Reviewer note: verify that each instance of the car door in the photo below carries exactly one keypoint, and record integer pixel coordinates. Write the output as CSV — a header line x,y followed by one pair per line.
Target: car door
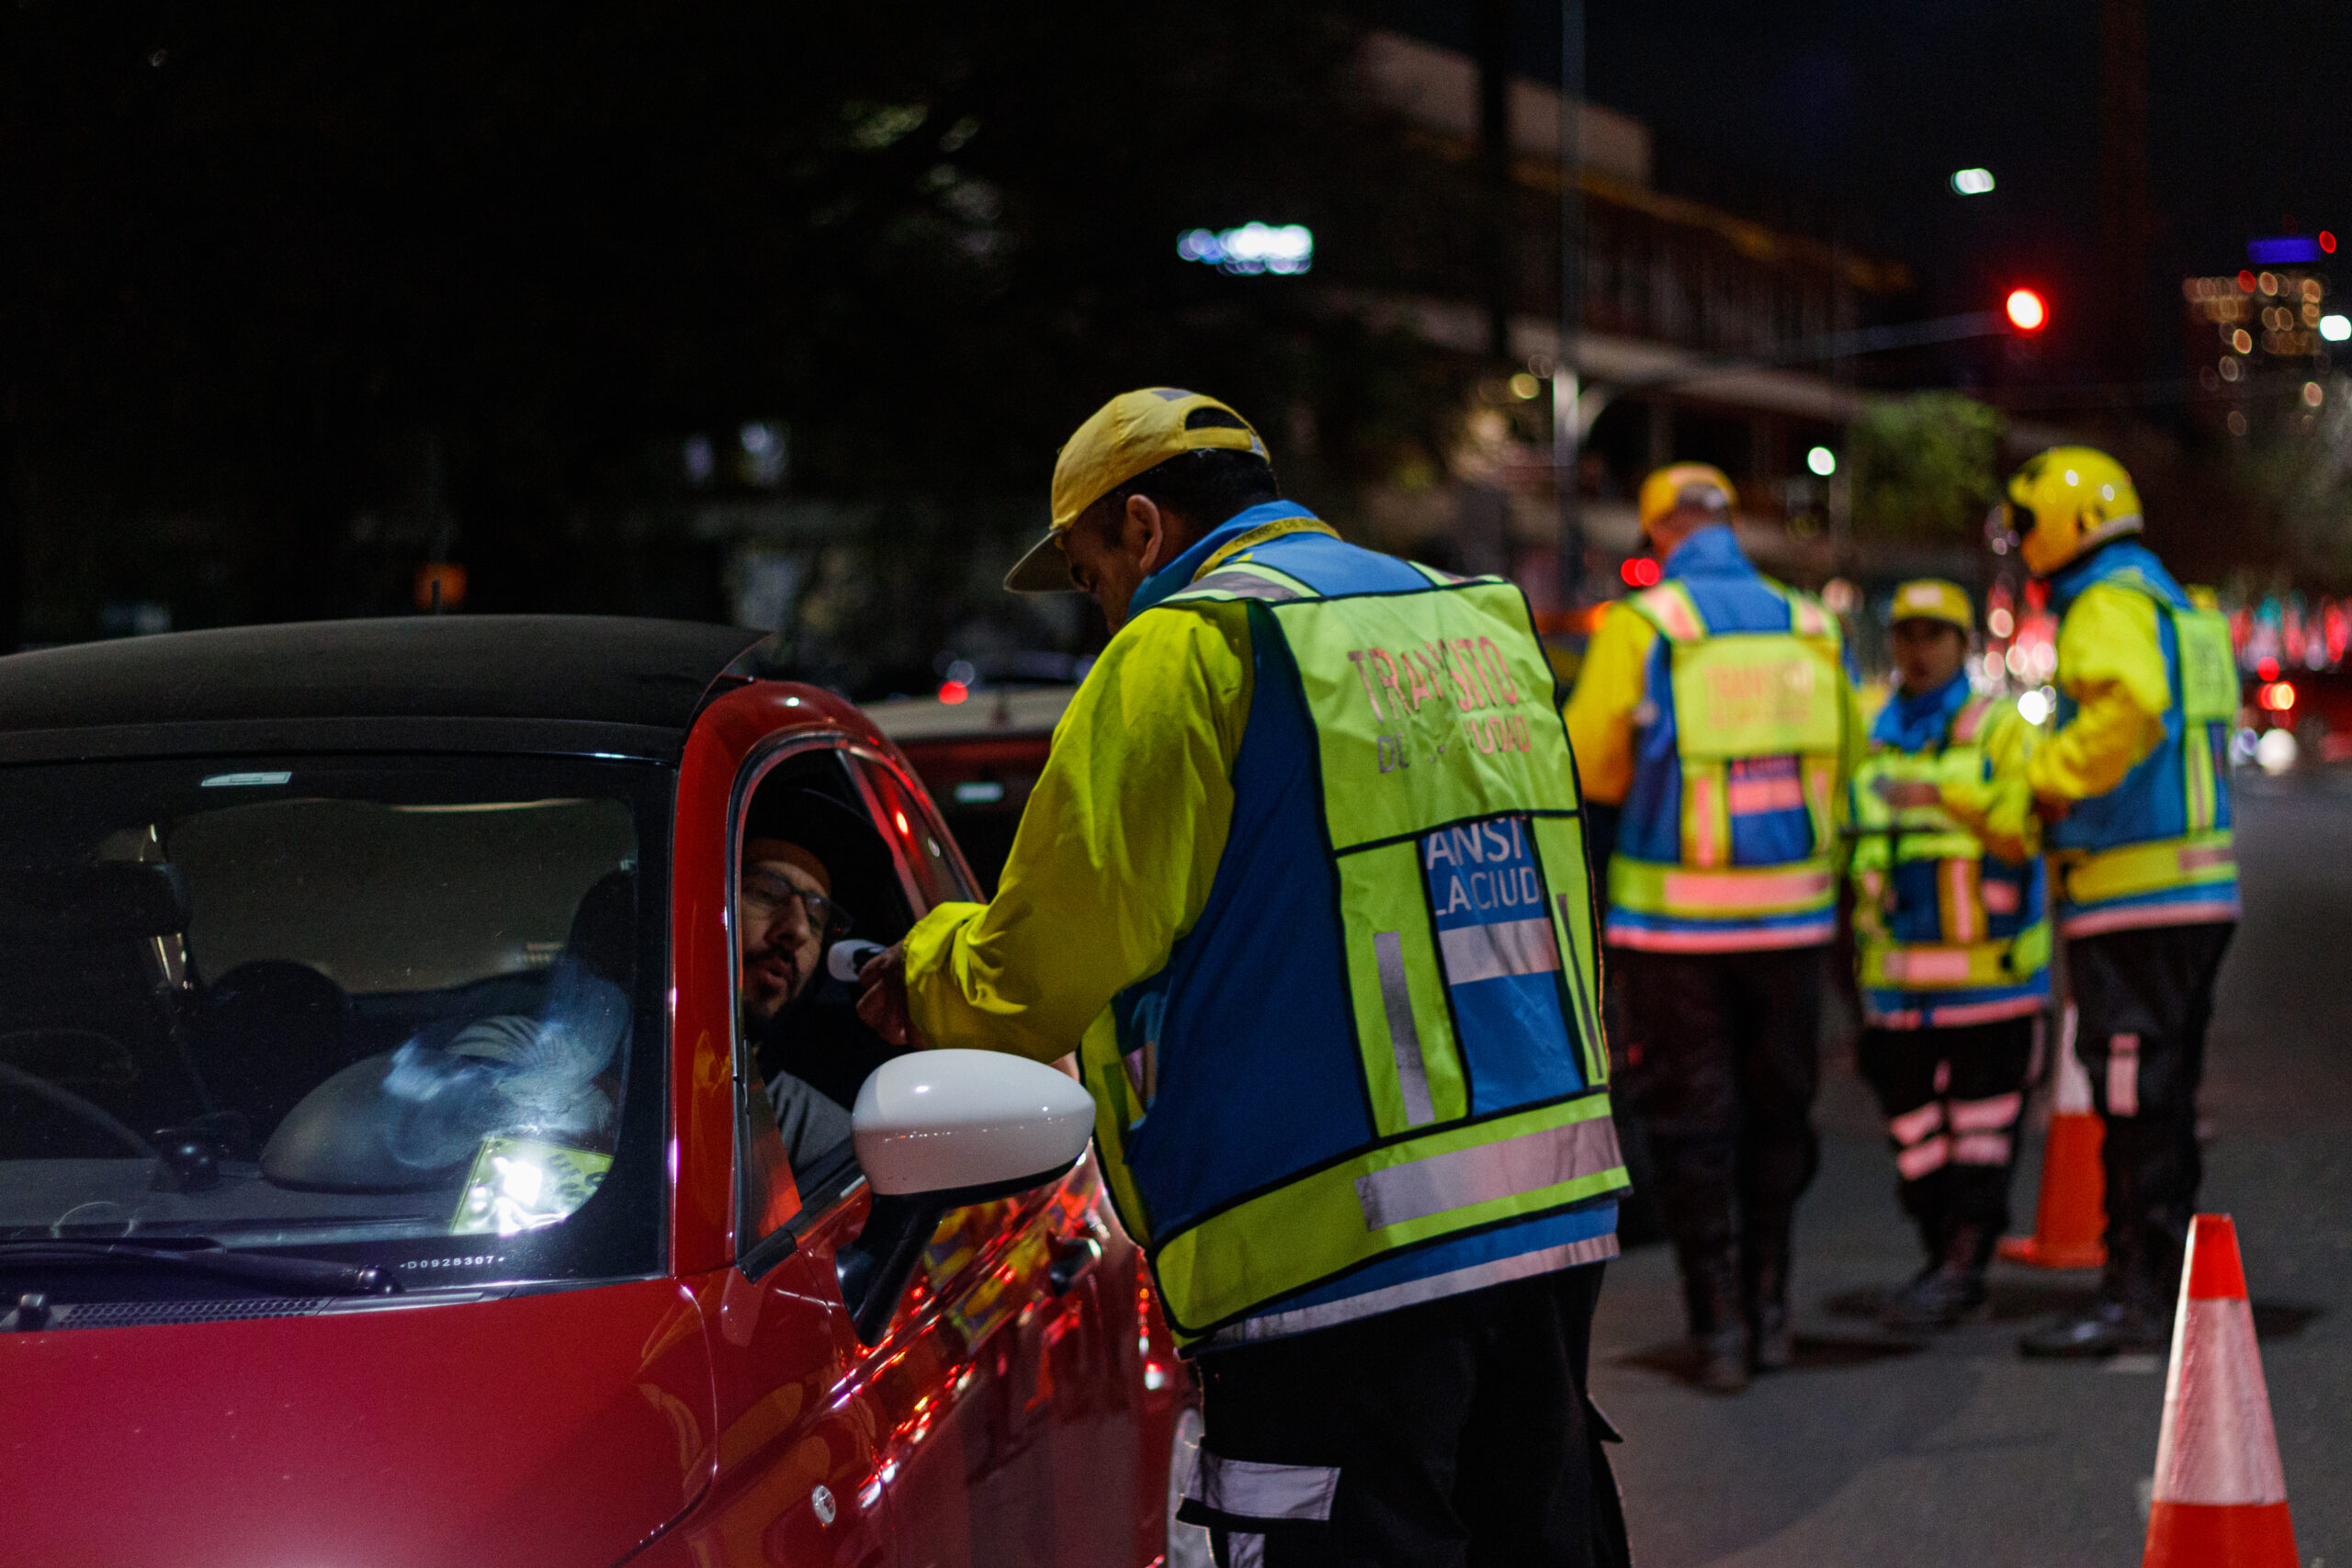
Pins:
x,y
798,1481
1020,1446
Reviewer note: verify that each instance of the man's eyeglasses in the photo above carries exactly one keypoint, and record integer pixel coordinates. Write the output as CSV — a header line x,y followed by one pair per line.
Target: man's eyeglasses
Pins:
x,y
764,895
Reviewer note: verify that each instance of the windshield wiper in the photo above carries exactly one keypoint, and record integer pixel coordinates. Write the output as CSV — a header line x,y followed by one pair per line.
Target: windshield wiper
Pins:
x,y
286,1276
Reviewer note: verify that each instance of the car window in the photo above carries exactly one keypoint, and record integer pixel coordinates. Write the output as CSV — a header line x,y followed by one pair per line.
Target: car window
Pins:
x,y
815,873
921,839
397,1009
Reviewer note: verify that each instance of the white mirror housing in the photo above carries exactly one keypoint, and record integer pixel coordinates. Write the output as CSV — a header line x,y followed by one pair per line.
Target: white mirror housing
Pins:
x,y
969,1123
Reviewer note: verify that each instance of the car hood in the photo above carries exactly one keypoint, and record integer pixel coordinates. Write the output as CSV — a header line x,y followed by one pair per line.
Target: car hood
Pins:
x,y
559,1429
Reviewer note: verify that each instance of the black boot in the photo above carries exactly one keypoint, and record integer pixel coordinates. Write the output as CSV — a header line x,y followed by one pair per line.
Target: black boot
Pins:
x,y
1949,1289
2104,1328
2127,1318
1711,1293
1764,1282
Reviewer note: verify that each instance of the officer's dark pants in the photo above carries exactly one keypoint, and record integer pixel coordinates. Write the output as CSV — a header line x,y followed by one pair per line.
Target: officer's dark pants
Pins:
x,y
1721,1067
1952,1099
1453,1434
2143,1000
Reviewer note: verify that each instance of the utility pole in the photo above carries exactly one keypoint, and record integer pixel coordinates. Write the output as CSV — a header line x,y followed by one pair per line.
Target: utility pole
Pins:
x,y
2124,186
1568,434
1494,169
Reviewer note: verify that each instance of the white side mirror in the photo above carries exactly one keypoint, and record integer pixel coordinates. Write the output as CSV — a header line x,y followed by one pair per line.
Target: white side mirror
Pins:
x,y
937,1129
968,1125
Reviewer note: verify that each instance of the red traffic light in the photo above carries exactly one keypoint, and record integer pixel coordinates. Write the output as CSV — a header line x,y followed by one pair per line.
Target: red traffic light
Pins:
x,y
2029,313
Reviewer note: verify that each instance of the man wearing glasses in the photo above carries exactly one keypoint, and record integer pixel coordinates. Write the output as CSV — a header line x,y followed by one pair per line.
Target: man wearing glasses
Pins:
x,y
786,914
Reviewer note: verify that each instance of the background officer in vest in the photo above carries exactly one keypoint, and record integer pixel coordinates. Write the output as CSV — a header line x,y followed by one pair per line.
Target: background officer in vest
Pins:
x,y
2134,784
1952,945
1304,882
1715,707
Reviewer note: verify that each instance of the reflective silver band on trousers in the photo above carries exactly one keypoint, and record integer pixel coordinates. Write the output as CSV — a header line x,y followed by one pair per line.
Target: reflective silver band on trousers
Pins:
x,y
1250,1489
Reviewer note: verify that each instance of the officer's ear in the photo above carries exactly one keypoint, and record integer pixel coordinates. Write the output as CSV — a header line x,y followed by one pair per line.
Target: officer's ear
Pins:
x,y
1145,532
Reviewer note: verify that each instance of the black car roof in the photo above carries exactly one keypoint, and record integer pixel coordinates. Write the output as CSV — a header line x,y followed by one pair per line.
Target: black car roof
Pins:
x,y
522,682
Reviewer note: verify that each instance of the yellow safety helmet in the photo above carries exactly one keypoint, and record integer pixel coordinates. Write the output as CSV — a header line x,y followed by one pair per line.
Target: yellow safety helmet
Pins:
x,y
1685,484
2066,501
1932,599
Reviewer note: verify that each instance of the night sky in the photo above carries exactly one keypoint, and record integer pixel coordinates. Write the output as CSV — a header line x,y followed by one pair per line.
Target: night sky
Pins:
x,y
1872,106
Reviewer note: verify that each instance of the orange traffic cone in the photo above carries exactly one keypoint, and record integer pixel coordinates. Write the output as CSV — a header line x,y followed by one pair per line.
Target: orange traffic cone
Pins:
x,y
2219,1497
2070,1224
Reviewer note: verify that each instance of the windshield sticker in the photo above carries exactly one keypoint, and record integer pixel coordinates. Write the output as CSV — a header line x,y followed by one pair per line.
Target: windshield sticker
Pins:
x,y
524,1184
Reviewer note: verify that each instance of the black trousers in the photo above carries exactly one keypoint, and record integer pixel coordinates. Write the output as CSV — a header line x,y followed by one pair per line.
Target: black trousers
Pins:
x,y
2143,1000
1721,1067
1453,1434
1952,1099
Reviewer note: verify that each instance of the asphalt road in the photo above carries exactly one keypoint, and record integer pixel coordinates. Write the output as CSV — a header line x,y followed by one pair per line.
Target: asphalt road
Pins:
x,y
1874,1451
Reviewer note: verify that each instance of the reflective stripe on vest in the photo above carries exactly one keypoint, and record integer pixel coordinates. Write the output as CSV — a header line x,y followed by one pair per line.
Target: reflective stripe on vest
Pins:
x,y
1887,836
2198,868
1758,721
1454,836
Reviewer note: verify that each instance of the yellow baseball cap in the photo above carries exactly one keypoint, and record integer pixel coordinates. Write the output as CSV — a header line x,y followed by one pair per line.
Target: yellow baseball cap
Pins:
x,y
1132,433
1685,484
1932,599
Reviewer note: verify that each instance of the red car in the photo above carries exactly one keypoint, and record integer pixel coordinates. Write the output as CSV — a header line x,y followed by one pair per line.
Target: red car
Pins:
x,y
388,1174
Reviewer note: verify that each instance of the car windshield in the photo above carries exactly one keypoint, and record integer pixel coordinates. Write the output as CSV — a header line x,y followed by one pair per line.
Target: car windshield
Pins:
x,y
397,1011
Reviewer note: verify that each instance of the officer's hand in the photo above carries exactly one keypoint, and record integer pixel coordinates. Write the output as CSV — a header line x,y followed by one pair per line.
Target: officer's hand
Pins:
x,y
2052,807
883,1007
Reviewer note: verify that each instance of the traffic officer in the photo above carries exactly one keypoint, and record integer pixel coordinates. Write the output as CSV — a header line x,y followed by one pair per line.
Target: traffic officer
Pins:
x,y
1952,945
1715,707
1304,882
2134,786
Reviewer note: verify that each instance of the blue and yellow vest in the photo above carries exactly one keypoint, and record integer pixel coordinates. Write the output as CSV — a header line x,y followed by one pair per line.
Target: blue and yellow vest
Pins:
x,y
2155,849
1728,839
1945,934
1371,1074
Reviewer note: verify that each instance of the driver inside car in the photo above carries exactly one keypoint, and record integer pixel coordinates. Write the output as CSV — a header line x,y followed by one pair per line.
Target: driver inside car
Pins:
x,y
785,916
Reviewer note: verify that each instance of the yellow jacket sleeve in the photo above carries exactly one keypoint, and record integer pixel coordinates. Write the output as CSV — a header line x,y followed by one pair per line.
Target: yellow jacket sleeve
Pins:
x,y
1999,808
2110,662
1600,709
1116,852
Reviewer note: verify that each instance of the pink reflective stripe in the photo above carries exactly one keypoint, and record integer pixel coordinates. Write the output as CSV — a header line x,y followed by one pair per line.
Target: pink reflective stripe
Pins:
x,y
1752,797
1734,939
1920,1158
2123,1075
2001,897
1972,718
1963,901
1704,847
1927,966
1746,891
1992,1115
1983,1012
1913,1125
2203,855
2138,917
1981,1148
1674,614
